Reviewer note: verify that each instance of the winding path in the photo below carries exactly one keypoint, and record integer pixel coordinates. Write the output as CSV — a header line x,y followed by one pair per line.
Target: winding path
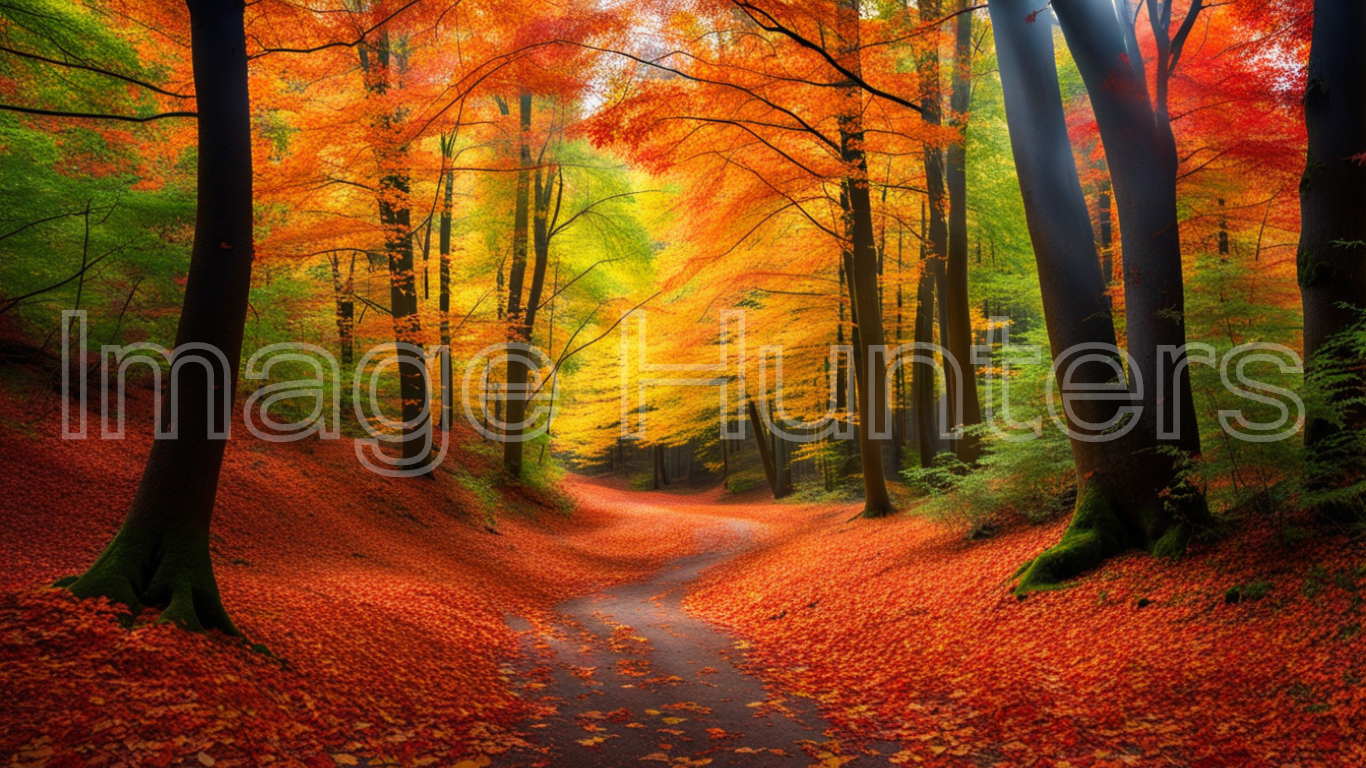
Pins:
x,y
628,678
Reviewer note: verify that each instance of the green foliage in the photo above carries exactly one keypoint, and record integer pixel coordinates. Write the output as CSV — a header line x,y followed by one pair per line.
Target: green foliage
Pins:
x,y
1334,475
745,480
1002,273
841,490
483,491
87,223
1224,312
1016,477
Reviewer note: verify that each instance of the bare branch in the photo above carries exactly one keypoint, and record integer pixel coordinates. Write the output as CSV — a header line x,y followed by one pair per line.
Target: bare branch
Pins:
x,y
96,70
94,115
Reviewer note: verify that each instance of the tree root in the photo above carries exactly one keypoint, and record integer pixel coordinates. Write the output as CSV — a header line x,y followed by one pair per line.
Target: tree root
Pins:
x,y
147,567
1095,533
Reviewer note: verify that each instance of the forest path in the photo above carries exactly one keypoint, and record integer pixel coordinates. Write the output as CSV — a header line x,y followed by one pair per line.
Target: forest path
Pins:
x,y
629,678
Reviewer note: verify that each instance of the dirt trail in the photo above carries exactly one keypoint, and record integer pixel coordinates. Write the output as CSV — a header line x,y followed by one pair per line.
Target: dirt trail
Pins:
x,y
629,678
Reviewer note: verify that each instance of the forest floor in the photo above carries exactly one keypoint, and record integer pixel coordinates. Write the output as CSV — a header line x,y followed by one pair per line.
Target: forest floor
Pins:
x,y
448,622
626,676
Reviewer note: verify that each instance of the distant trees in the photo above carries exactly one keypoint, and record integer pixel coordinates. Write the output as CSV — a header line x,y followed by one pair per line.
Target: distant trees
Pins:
x,y
383,65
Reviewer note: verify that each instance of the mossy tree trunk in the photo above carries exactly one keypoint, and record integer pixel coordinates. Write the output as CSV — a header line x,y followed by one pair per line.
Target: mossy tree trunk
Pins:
x,y
160,557
1332,247
1124,485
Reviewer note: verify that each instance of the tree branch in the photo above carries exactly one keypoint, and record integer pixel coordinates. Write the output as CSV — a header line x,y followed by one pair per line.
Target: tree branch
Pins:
x,y
94,115
96,70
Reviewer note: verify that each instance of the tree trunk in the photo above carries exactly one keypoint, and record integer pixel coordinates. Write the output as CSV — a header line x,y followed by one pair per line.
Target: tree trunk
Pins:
x,y
968,447
782,460
761,439
1140,152
1332,248
661,468
516,368
444,279
396,220
395,216
872,390
343,289
161,554
1120,482
933,280
922,374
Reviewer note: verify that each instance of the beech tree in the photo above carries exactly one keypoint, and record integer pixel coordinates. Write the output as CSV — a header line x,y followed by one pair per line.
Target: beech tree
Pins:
x,y
383,65
1124,484
968,447
1331,256
863,272
1140,151
160,557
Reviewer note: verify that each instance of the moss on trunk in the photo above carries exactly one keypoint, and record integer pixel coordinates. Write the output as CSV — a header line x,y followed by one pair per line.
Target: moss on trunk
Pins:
x,y
1099,531
144,566
1095,533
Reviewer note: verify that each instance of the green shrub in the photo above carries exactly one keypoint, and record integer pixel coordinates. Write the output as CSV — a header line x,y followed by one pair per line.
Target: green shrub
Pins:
x,y
1032,480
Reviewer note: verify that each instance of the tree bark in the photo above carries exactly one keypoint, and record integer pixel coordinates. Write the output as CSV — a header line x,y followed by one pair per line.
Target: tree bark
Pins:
x,y
922,373
444,277
661,468
936,239
1120,482
782,459
516,369
395,218
1140,152
160,557
1332,248
872,391
761,439
968,447
343,288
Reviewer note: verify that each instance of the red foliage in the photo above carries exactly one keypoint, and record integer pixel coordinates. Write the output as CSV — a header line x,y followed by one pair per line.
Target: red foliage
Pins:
x,y
383,599
903,631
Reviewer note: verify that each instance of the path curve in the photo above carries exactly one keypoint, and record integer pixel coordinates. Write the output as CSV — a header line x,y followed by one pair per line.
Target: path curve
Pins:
x,y
628,678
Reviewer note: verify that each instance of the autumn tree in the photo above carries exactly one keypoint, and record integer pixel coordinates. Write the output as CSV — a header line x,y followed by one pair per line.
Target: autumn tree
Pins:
x,y
956,263
739,116
160,557
384,64
862,269
1332,273
1129,491
1140,151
